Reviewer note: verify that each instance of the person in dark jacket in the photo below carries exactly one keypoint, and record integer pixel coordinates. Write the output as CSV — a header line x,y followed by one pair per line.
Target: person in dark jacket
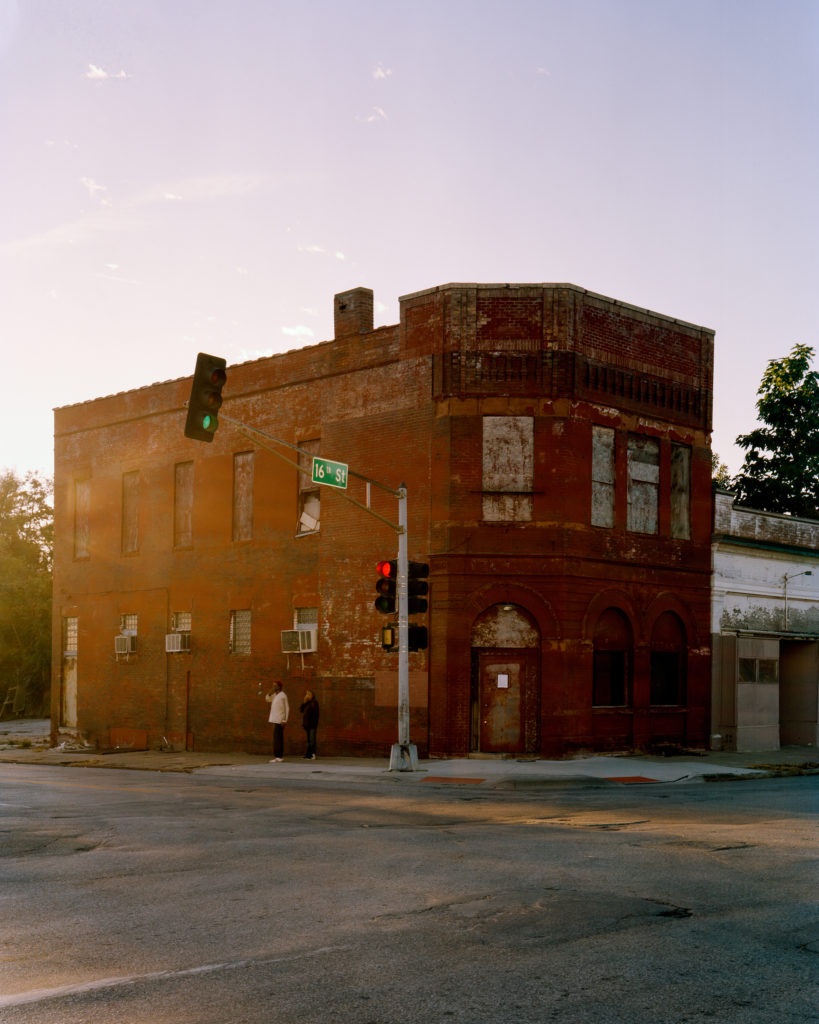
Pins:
x,y
309,719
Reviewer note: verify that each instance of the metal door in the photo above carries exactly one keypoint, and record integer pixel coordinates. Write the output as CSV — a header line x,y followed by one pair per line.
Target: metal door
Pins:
x,y
505,700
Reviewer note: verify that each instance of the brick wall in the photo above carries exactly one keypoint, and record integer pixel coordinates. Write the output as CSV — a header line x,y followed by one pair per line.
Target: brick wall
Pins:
x,y
390,403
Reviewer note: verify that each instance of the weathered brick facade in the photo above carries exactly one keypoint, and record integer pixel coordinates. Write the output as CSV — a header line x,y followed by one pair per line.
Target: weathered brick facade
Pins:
x,y
569,605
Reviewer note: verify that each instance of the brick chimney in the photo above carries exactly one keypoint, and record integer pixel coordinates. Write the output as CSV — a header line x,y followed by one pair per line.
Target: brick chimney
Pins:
x,y
353,312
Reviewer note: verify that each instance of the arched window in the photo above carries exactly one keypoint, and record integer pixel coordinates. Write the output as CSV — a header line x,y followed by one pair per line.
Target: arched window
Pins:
x,y
612,660
668,647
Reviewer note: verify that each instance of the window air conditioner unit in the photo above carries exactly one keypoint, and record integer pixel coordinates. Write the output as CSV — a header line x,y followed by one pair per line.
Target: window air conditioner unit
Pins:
x,y
177,642
308,639
124,644
299,641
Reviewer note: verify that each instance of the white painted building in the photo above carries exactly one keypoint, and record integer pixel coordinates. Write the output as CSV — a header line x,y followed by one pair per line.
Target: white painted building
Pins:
x,y
765,629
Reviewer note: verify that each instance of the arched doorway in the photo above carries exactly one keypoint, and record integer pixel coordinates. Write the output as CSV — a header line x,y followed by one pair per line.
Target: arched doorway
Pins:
x,y
668,649
505,702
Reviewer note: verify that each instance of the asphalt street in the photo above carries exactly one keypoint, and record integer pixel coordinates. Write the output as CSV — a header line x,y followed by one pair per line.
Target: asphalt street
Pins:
x,y
215,896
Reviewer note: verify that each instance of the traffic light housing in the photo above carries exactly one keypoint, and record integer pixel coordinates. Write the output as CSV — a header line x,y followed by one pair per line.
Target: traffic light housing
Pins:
x,y
206,396
386,602
417,637
417,587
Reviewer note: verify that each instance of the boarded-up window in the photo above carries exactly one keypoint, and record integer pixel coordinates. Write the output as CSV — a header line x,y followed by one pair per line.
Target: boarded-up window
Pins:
x,y
681,491
240,631
643,483
508,468
130,512
602,499
243,496
183,505
82,518
309,494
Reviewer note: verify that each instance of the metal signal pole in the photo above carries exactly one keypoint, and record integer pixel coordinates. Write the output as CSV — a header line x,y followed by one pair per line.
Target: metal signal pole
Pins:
x,y
404,755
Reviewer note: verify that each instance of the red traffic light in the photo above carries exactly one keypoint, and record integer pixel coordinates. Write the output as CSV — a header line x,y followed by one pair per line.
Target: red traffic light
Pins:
x,y
388,570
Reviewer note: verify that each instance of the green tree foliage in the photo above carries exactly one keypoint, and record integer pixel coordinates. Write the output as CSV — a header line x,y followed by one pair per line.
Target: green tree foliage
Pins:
x,y
720,474
26,551
781,468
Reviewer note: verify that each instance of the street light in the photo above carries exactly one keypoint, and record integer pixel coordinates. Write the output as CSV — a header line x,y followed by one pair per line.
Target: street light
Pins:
x,y
792,576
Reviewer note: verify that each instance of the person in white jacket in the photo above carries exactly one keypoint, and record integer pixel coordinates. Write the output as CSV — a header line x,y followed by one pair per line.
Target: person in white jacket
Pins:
x,y
279,713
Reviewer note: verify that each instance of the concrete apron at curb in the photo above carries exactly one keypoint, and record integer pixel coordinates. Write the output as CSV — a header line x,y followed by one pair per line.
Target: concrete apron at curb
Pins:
x,y
26,742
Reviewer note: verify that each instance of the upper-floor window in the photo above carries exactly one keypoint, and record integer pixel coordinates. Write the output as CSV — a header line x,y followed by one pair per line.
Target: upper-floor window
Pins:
x,y
602,506
183,505
309,493
508,468
243,495
130,512
681,491
82,518
643,483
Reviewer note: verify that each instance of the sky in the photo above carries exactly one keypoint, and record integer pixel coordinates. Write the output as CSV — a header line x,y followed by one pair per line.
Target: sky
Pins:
x,y
180,176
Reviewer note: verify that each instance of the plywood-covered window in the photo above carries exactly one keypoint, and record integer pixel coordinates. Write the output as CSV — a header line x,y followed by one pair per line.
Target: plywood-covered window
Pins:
x,y
602,497
508,468
681,491
309,493
243,496
82,518
130,512
183,505
643,483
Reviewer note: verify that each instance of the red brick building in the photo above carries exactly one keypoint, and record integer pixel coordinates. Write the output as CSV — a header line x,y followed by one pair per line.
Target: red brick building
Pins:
x,y
555,445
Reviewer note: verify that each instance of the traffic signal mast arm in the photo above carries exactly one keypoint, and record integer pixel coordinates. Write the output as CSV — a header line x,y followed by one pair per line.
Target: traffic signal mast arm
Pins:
x,y
250,433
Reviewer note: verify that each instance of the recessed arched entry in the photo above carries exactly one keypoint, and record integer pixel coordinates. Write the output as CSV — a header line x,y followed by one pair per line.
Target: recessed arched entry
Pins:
x,y
505,701
613,659
669,647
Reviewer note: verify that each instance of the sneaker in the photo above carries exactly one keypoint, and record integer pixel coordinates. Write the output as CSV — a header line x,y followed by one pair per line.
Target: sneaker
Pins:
x,y
312,757
276,760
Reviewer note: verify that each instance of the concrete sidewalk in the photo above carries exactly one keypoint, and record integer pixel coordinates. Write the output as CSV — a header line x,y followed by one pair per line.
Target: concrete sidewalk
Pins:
x,y
26,741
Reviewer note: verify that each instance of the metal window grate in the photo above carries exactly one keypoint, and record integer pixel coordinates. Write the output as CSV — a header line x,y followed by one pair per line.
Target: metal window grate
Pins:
x,y
181,622
240,631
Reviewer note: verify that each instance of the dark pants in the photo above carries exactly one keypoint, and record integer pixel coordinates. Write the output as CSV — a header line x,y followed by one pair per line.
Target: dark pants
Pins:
x,y
278,740
311,742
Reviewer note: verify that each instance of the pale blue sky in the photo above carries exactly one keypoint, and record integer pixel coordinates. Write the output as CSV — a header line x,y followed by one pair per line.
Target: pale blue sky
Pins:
x,y
186,175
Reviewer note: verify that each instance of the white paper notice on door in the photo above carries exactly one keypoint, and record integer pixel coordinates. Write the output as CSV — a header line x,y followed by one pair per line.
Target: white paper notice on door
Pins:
x,y
503,682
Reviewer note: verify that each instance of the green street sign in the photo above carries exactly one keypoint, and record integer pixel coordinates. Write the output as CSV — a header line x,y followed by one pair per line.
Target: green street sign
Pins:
x,y
334,474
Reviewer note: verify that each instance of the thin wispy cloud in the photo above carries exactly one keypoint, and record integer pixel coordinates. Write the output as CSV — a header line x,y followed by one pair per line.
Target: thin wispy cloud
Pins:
x,y
96,191
299,331
377,114
315,249
381,72
543,71
98,74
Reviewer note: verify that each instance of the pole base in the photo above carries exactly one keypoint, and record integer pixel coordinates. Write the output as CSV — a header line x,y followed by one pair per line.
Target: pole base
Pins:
x,y
404,758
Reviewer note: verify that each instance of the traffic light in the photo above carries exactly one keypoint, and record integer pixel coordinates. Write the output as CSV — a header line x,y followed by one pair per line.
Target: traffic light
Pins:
x,y
417,637
387,601
417,588
206,396
388,574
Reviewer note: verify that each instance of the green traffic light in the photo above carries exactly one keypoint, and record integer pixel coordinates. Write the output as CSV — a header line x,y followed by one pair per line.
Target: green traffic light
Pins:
x,y
207,421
